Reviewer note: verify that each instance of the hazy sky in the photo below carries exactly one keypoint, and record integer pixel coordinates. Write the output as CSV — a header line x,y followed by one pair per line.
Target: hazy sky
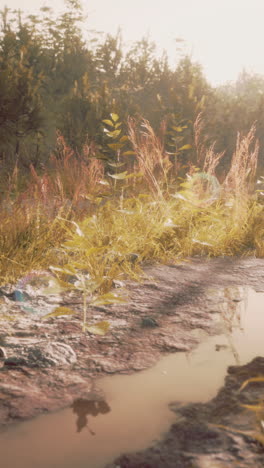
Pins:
x,y
225,36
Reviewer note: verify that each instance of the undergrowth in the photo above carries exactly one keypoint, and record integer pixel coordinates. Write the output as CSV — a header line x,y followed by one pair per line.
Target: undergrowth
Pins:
x,y
99,216
131,207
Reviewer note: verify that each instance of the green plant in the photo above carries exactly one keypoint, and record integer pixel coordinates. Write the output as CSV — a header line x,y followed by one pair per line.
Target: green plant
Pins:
x,y
90,287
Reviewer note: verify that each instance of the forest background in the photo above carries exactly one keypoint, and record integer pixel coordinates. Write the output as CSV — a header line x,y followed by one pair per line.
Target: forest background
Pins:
x,y
52,79
111,158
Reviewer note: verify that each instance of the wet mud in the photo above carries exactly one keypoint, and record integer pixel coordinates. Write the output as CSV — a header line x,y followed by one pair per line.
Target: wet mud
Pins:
x,y
208,435
46,365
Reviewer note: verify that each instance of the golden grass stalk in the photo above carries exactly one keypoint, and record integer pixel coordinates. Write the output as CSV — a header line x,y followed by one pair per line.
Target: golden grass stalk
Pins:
x,y
240,177
207,158
152,159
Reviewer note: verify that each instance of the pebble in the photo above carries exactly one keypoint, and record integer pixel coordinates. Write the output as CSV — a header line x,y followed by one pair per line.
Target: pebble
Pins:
x,y
149,322
3,354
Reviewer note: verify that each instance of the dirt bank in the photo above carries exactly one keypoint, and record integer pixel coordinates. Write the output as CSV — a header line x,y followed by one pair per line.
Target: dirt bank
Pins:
x,y
45,365
195,441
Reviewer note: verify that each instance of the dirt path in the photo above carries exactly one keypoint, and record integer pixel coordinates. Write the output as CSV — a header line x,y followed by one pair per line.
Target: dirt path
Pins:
x,y
45,365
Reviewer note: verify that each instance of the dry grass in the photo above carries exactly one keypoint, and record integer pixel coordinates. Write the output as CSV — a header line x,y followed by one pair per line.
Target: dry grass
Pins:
x,y
152,159
67,177
28,240
240,178
149,222
206,157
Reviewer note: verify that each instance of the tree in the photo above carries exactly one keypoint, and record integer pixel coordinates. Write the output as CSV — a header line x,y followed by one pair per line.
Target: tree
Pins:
x,y
20,98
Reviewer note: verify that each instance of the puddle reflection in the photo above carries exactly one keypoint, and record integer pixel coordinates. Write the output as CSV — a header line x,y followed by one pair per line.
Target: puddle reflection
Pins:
x,y
231,304
83,408
134,410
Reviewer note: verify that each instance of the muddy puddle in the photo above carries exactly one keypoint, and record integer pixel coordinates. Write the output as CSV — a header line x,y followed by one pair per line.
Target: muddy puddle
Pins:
x,y
134,409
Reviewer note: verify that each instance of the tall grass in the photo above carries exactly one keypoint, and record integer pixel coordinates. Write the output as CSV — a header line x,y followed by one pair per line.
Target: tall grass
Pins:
x,y
147,215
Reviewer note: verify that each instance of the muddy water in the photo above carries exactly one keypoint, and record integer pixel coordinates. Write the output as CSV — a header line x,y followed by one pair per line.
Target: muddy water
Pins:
x,y
135,410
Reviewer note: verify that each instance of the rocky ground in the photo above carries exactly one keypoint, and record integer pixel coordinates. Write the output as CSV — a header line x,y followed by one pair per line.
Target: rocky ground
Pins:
x,y
47,364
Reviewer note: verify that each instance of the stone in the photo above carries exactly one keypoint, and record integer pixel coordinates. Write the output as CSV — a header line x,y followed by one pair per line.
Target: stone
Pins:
x,y
14,361
46,354
3,354
51,354
149,322
170,344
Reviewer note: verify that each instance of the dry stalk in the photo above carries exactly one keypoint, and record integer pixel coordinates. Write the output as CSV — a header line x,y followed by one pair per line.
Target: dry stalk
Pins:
x,y
211,160
243,164
152,159
199,139
78,175
69,177
206,158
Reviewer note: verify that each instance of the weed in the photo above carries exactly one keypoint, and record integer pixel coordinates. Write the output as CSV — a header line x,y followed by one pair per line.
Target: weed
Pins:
x,y
145,212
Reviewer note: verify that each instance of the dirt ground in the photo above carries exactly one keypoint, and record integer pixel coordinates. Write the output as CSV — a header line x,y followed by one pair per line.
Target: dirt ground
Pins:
x,y
195,441
47,364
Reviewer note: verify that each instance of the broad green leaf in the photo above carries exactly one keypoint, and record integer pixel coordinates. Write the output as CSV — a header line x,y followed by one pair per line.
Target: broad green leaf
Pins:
x,y
108,122
114,117
123,138
185,147
100,156
114,134
115,146
60,311
100,328
116,164
120,176
108,298
129,153
178,129
134,174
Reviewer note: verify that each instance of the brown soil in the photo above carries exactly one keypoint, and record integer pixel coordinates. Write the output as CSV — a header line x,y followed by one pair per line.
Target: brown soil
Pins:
x,y
47,364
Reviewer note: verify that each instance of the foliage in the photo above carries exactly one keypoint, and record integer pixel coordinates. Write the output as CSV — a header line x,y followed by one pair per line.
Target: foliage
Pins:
x,y
52,79
146,210
78,157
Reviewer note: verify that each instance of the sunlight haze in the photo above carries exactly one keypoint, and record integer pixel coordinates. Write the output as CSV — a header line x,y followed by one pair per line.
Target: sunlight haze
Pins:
x,y
223,36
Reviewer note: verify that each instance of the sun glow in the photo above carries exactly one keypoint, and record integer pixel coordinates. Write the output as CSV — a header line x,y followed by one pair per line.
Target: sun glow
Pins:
x,y
223,36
